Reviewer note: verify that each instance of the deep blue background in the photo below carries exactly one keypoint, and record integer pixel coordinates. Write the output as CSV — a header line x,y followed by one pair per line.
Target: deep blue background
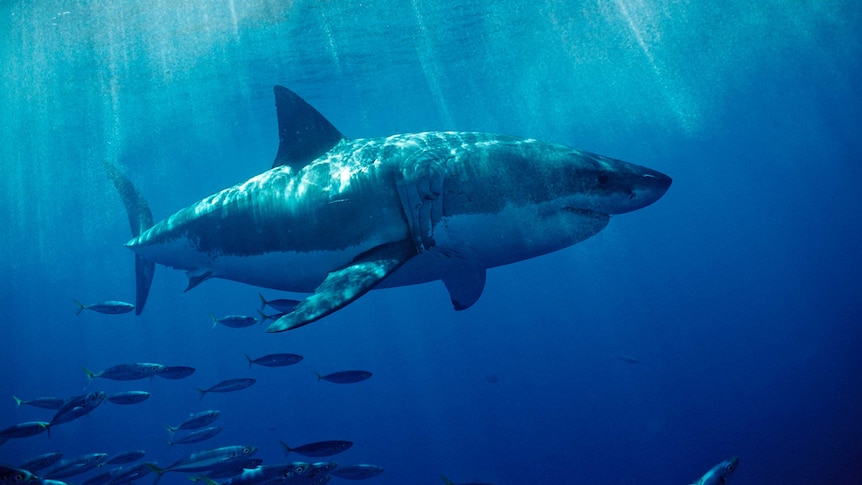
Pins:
x,y
738,291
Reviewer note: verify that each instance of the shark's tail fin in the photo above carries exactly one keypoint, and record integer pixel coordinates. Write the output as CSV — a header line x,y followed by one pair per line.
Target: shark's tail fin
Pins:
x,y
140,219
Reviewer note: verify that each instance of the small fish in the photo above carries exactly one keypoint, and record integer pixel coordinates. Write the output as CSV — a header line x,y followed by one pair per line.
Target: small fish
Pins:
x,y
197,436
357,472
40,462
345,376
630,359
226,456
281,305
24,430
233,469
129,397
78,406
41,402
77,465
106,307
127,372
129,474
195,421
719,474
229,385
319,448
234,321
176,372
15,475
126,457
258,474
274,360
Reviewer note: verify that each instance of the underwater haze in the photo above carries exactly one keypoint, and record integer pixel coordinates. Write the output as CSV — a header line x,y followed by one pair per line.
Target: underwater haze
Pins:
x,y
723,320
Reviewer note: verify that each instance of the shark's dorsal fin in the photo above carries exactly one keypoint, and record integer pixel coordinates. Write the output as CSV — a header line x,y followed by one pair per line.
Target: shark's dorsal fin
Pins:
x,y
303,133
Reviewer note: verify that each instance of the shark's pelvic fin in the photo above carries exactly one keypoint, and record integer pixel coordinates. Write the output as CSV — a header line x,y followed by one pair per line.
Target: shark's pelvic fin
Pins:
x,y
303,133
465,287
140,219
197,277
345,285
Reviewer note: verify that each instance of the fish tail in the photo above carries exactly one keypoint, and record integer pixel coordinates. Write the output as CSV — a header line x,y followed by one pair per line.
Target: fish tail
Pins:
x,y
81,307
171,429
287,449
446,480
215,321
140,219
18,402
158,471
90,375
319,377
203,393
263,316
247,358
263,302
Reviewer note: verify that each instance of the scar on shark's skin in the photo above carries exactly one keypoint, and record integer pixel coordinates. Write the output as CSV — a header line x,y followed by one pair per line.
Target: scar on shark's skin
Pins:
x,y
337,217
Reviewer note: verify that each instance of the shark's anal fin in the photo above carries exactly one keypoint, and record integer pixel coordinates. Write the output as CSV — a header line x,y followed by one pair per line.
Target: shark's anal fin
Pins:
x,y
465,286
303,133
140,219
345,285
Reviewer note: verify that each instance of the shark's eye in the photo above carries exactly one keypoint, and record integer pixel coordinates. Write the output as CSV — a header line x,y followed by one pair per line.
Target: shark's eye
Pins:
x,y
603,179
729,467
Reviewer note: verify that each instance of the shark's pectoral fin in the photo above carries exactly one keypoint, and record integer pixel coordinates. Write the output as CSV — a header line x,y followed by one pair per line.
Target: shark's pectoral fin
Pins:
x,y
465,286
341,287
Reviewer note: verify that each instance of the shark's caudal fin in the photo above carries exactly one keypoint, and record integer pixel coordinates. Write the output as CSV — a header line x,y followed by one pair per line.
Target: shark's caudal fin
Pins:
x,y
140,219
303,133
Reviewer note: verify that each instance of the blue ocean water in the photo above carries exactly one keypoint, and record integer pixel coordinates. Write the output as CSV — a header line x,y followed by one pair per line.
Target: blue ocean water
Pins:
x,y
737,293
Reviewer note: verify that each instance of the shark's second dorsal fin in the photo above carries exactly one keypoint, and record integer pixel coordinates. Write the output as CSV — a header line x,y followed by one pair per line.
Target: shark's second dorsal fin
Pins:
x,y
303,133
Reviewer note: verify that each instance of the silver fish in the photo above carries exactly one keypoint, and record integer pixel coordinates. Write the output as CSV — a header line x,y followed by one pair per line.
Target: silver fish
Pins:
x,y
195,421
229,385
127,372
197,436
106,307
129,397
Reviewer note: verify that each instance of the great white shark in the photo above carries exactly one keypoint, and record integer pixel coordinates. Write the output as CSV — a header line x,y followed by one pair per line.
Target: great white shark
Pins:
x,y
336,217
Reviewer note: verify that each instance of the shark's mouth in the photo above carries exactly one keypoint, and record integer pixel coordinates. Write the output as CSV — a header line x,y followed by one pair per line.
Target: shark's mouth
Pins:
x,y
585,212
